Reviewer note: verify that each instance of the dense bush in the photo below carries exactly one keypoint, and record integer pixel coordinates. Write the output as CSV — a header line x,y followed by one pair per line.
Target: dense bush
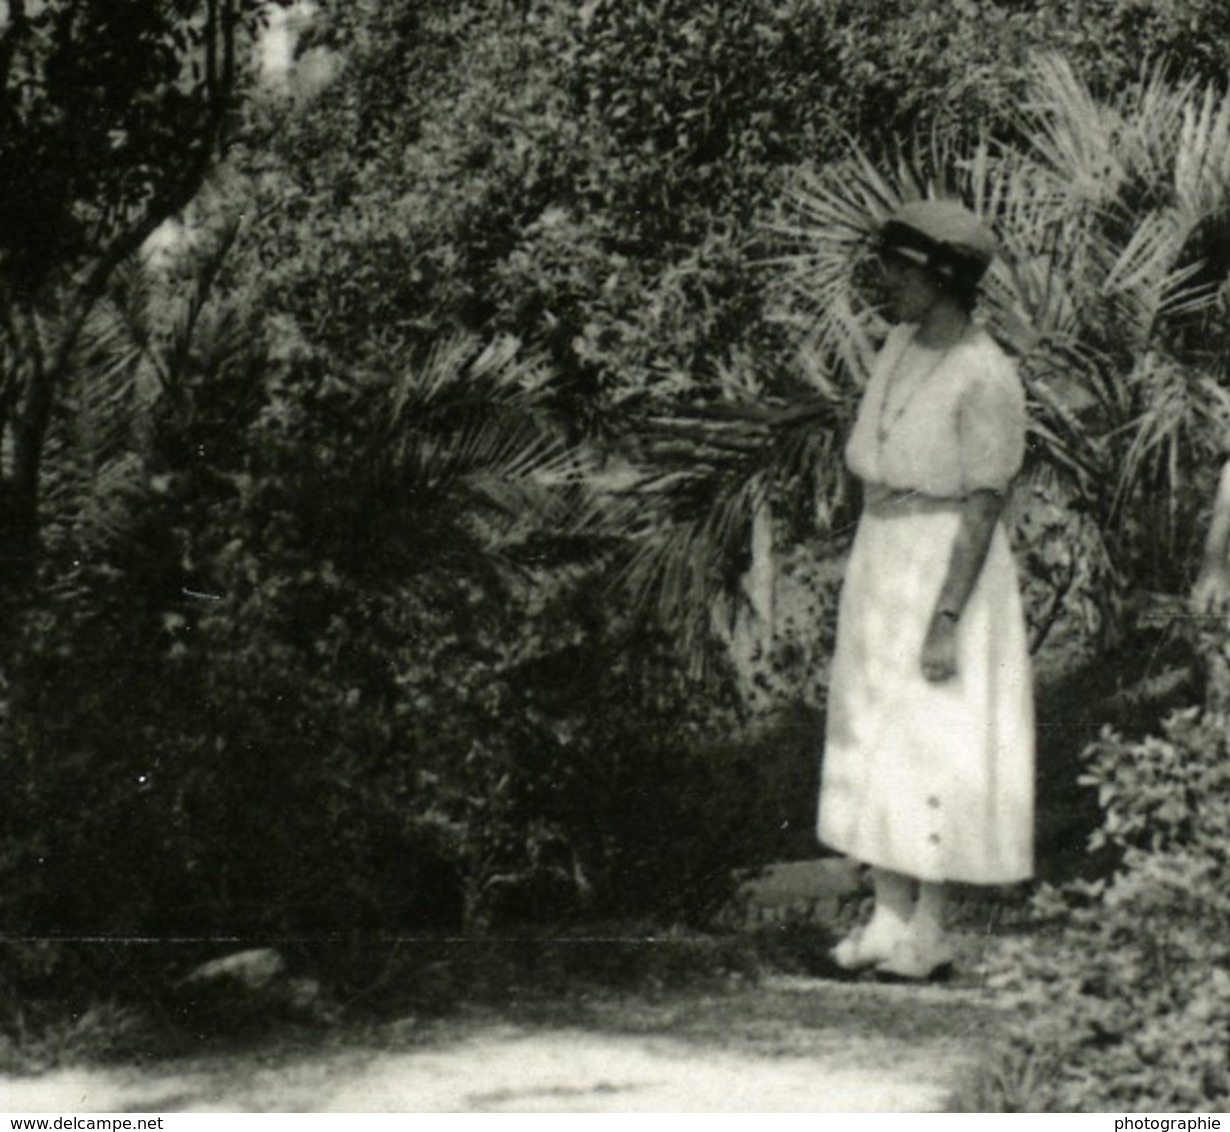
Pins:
x,y
595,181
341,677
594,177
1125,989
588,181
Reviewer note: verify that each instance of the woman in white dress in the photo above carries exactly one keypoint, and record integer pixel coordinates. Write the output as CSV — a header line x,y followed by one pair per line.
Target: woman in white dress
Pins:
x,y
928,770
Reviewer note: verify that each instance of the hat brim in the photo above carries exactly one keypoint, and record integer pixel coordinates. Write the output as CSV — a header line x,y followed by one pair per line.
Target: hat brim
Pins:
x,y
913,255
942,259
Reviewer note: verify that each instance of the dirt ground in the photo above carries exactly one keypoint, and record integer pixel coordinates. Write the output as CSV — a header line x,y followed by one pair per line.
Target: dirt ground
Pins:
x,y
787,1044
777,1044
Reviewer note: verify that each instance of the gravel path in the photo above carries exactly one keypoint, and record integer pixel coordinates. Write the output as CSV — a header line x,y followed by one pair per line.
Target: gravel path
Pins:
x,y
784,1045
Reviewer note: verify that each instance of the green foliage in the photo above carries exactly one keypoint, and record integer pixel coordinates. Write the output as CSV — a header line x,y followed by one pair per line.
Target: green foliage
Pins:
x,y
111,118
595,181
1069,582
586,182
1109,39
1111,292
311,751
1125,997
107,108
1136,317
318,661
321,644
958,71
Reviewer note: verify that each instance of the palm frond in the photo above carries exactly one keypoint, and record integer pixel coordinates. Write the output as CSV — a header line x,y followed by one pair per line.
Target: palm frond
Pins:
x,y
826,235
1147,281
93,464
1172,434
183,338
706,472
467,451
1152,114
1101,208
1073,135
682,573
1201,174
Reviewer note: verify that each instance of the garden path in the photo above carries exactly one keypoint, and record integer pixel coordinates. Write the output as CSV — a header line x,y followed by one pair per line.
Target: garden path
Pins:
x,y
786,1045
778,1044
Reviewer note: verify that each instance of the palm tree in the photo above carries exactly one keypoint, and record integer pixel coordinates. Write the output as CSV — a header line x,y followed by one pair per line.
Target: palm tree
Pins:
x,y
460,446
1109,290
142,347
1112,293
238,521
699,507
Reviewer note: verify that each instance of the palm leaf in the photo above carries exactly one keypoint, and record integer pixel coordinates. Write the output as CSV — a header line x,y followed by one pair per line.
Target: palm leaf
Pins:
x,y
183,339
1152,116
1147,282
1073,135
1100,208
1202,160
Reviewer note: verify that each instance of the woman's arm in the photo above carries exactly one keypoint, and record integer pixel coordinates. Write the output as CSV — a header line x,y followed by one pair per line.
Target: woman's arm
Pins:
x,y
1213,582
980,512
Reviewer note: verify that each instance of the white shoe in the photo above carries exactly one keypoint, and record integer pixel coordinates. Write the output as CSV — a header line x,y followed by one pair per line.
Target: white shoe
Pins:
x,y
860,950
918,959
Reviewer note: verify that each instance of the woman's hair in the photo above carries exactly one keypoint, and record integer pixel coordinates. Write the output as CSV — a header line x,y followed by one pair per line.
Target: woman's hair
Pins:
x,y
962,285
947,240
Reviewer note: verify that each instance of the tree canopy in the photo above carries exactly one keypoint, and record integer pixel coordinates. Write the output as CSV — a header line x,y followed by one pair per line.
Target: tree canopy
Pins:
x,y
112,116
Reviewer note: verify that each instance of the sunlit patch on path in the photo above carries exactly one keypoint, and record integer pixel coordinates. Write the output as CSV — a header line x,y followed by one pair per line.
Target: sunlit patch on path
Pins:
x,y
786,1045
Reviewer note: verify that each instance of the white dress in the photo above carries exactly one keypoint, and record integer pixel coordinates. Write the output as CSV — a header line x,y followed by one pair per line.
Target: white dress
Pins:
x,y
934,780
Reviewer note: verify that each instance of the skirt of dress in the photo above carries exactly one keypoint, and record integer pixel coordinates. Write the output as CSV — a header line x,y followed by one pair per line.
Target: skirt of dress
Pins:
x,y
932,780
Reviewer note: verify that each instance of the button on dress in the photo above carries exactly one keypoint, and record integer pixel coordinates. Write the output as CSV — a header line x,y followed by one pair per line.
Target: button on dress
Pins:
x,y
934,780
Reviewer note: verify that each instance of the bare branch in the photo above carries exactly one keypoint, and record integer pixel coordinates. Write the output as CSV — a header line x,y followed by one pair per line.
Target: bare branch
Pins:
x,y
229,20
211,52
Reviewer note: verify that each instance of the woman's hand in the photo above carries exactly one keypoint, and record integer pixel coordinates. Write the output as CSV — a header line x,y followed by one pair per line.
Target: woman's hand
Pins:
x,y
939,651
980,512
1212,591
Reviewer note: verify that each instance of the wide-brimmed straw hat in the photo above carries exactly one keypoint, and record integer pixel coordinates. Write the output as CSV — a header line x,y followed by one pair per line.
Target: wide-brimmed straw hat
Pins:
x,y
942,236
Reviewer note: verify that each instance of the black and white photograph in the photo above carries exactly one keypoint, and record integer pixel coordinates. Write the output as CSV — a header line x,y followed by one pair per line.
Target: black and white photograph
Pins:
x,y
615,556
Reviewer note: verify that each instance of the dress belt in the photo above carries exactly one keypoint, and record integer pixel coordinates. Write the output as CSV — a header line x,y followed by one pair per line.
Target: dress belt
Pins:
x,y
885,501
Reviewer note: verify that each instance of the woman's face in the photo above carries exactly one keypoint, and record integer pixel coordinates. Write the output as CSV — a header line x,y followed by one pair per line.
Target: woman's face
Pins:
x,y
909,289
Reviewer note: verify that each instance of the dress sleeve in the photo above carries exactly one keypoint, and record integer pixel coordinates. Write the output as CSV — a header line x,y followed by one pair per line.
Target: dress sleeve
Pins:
x,y
991,426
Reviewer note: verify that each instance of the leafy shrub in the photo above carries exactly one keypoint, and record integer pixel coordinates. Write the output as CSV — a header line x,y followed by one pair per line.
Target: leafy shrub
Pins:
x,y
337,676
400,768
1125,990
593,179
